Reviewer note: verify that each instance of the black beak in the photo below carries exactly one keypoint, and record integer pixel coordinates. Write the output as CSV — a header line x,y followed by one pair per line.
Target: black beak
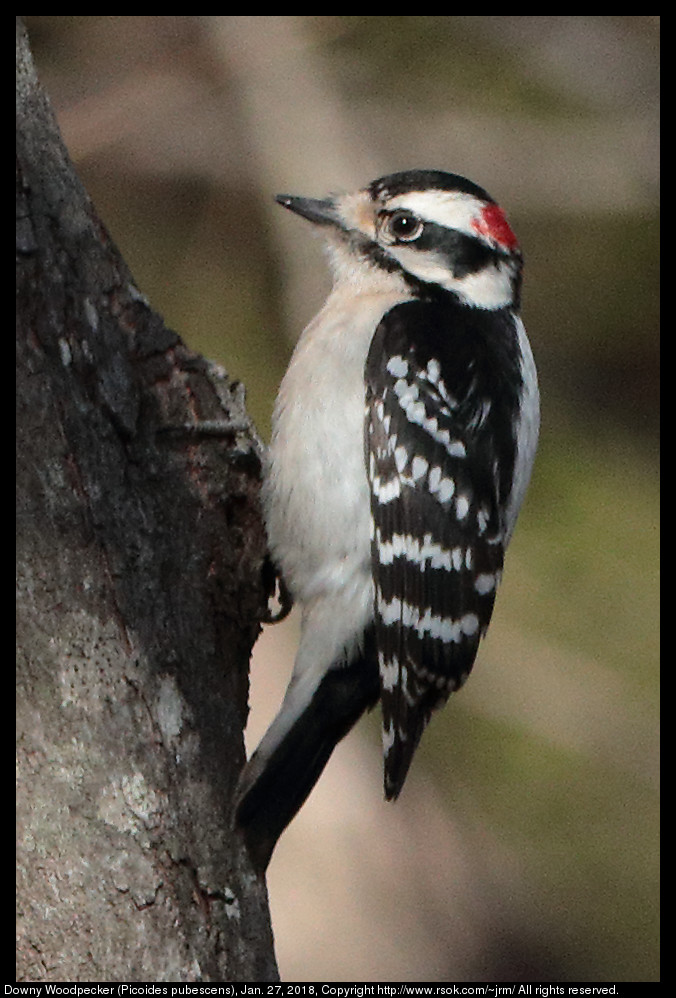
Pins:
x,y
321,212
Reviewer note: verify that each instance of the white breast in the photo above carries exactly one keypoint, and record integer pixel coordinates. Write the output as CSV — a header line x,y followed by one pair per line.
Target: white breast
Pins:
x,y
316,491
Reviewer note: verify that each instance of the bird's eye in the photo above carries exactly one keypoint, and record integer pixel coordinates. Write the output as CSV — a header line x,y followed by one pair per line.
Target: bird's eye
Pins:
x,y
402,226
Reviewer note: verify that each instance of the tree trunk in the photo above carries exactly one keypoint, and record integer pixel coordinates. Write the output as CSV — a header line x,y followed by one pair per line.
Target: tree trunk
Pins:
x,y
140,589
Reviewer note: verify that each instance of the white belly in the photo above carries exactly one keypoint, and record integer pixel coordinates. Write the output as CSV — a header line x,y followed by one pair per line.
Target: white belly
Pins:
x,y
316,490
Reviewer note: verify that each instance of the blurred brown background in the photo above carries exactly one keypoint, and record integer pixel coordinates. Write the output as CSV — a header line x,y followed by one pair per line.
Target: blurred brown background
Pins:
x,y
525,844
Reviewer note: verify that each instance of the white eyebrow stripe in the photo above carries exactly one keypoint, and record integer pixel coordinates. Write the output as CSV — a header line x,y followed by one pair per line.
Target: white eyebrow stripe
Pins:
x,y
452,209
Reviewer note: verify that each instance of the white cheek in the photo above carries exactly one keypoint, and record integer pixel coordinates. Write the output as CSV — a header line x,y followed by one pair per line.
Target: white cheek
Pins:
x,y
427,266
490,287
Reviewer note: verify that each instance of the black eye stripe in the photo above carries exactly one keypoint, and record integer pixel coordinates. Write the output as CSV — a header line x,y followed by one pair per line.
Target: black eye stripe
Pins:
x,y
464,254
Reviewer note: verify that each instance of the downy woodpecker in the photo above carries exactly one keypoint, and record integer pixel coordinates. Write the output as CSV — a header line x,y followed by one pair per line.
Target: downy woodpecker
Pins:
x,y
403,439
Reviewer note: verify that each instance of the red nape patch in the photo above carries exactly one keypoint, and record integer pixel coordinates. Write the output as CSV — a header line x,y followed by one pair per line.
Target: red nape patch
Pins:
x,y
493,224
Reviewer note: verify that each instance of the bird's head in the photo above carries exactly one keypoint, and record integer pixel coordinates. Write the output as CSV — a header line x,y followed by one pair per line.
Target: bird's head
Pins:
x,y
437,230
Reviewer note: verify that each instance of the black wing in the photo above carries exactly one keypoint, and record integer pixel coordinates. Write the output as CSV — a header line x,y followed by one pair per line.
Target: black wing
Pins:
x,y
440,453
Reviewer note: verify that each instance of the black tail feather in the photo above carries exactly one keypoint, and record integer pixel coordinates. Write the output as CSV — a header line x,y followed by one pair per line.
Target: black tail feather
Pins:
x,y
399,755
265,808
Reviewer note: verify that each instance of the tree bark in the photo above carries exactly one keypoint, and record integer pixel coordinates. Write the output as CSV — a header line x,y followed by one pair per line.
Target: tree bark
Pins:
x,y
141,585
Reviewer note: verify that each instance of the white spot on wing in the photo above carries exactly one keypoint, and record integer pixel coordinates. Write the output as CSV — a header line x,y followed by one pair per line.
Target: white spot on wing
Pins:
x,y
485,582
388,738
446,489
444,628
397,366
386,491
419,468
461,507
421,552
389,674
400,458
